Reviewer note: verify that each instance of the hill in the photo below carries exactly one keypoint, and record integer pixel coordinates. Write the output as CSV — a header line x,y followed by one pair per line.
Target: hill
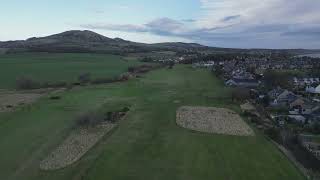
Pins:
x,y
91,42
88,41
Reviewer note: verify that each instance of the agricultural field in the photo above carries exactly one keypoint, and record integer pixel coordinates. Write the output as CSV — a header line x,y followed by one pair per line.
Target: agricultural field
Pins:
x,y
58,67
147,143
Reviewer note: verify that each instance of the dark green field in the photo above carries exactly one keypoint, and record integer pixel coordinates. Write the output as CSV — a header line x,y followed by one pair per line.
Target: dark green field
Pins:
x,y
44,67
147,144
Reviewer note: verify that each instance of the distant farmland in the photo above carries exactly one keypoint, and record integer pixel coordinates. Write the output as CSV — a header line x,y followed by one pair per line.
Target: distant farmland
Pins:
x,y
54,67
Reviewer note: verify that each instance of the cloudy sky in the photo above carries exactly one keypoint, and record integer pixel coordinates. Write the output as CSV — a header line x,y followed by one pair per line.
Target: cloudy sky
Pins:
x,y
221,23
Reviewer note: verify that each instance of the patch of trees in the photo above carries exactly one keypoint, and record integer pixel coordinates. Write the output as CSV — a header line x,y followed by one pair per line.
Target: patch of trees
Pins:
x,y
274,134
218,70
84,78
290,141
95,118
103,80
170,64
274,79
313,128
240,94
146,59
28,83
305,157
142,68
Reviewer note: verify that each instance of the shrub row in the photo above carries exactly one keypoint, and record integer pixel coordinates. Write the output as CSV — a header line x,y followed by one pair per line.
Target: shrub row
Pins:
x,y
27,83
94,118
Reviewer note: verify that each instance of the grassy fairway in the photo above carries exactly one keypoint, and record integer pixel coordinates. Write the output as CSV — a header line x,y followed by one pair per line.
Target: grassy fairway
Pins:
x,y
45,67
147,144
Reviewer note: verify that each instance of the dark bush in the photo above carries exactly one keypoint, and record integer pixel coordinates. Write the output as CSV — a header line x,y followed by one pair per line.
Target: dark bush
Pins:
x,y
124,77
125,109
55,97
54,85
84,78
131,69
89,119
9,106
94,118
141,69
103,80
274,134
240,94
26,83
114,117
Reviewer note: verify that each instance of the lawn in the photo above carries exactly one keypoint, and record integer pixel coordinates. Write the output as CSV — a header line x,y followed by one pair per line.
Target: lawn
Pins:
x,y
56,67
147,144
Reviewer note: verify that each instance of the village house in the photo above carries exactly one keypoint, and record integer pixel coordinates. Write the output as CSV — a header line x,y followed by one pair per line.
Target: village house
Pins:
x,y
314,117
203,64
313,89
304,82
247,83
297,118
309,108
296,101
281,97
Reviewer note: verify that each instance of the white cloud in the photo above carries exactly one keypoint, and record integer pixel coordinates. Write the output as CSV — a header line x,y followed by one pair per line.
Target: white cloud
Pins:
x,y
240,23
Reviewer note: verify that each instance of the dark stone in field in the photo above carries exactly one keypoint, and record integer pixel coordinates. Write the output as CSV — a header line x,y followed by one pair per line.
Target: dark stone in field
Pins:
x,y
9,106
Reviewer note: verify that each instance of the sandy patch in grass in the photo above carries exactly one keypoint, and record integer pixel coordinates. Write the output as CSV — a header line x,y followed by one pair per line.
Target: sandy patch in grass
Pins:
x,y
212,120
11,100
75,146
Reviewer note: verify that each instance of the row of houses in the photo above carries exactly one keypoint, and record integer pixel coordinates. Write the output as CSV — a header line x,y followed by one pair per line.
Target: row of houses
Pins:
x,y
311,85
204,64
305,81
246,83
262,64
300,109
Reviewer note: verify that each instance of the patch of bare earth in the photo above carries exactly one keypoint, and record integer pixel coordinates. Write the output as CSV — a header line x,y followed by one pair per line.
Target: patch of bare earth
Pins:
x,y
75,146
11,100
212,120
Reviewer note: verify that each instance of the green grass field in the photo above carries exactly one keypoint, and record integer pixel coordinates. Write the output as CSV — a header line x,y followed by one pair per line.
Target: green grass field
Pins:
x,y
147,144
44,67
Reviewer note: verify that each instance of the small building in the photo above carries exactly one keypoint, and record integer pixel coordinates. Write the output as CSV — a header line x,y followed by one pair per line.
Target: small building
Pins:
x,y
296,101
249,83
282,97
297,118
313,89
309,108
